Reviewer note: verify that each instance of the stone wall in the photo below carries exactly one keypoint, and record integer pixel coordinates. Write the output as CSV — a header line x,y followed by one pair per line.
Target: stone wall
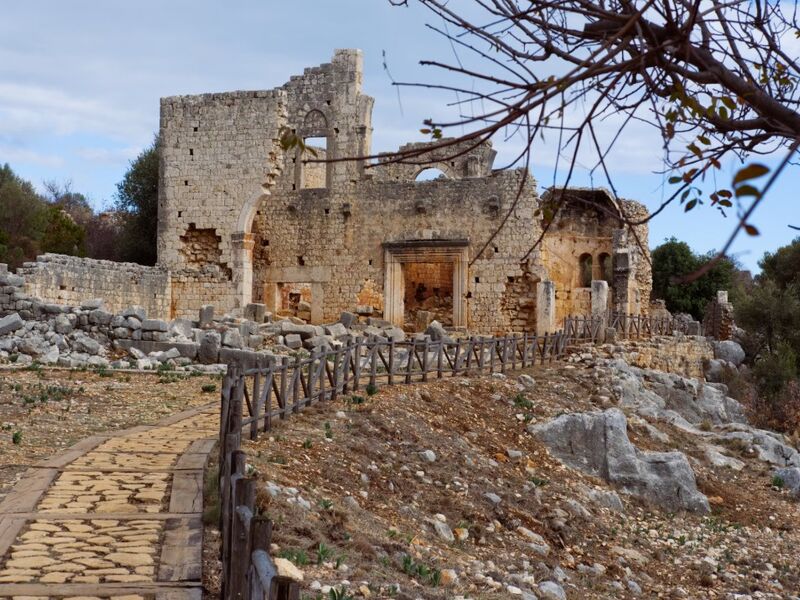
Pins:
x,y
336,239
718,321
70,281
681,354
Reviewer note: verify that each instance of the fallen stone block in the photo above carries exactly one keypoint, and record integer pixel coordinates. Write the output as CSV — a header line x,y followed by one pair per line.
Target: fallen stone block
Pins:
x,y
209,348
10,323
155,325
100,317
348,319
255,312
293,341
206,315
135,311
336,330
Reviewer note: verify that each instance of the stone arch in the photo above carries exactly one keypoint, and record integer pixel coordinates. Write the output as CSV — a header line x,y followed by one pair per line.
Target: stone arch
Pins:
x,y
446,169
315,124
242,237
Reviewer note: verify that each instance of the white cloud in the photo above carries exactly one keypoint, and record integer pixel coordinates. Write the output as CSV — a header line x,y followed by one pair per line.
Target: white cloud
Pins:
x,y
108,155
11,154
28,109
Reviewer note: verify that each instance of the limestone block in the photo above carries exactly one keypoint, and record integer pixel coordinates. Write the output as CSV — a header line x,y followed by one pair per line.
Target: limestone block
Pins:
x,y
154,325
208,352
10,323
99,316
293,341
206,315
135,311
255,312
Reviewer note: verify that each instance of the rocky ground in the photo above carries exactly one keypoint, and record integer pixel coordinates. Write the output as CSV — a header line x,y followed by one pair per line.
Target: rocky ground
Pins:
x,y
43,411
591,479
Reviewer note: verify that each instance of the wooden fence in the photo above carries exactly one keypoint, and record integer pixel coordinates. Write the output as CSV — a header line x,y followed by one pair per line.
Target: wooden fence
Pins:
x,y
289,385
593,329
248,572
253,398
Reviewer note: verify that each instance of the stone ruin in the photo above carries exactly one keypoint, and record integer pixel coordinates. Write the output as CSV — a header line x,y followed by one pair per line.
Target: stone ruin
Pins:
x,y
244,223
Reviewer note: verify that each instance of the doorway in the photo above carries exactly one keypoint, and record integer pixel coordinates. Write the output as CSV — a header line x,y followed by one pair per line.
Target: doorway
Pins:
x,y
426,275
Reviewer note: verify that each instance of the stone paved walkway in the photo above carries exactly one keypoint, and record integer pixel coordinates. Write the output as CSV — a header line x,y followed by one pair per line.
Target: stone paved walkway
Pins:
x,y
116,516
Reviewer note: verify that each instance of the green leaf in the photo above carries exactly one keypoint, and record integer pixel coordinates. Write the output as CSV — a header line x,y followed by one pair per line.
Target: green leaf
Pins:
x,y
728,101
695,150
746,190
675,179
704,140
750,172
690,205
723,112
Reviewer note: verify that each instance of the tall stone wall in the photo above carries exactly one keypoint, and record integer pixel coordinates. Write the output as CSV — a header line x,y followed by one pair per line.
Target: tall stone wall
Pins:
x,y
69,281
336,239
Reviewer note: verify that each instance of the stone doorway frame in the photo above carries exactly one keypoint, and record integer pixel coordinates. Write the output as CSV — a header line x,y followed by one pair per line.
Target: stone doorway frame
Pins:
x,y
395,254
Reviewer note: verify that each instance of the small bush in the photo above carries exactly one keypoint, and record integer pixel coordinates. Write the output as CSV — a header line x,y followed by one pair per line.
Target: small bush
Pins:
x,y
372,389
16,437
209,388
521,401
298,557
777,481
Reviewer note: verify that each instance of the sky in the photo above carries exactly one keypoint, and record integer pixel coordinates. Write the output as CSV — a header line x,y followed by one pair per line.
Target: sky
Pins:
x,y
80,83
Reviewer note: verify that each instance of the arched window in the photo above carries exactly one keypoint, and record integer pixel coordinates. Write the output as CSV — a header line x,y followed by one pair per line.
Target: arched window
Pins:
x,y
315,138
585,270
606,271
430,174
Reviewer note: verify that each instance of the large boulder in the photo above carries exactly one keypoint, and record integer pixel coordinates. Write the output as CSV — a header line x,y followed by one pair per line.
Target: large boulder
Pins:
x,y
790,479
597,443
730,351
10,323
686,403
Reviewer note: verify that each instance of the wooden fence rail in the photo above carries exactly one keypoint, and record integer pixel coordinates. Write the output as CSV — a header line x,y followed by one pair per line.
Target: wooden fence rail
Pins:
x,y
289,384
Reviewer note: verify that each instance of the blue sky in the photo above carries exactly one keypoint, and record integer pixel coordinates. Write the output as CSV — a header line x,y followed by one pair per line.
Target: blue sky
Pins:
x,y
80,83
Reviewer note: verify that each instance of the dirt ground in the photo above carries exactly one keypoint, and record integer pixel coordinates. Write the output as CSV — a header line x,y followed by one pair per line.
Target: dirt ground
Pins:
x,y
43,411
355,499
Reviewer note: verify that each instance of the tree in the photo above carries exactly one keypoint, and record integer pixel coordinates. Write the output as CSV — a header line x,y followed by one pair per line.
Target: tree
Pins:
x,y
771,309
22,219
715,80
672,261
62,234
102,229
137,203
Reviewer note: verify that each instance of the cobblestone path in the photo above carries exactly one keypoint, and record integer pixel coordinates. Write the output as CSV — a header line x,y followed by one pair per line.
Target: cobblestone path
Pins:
x,y
116,516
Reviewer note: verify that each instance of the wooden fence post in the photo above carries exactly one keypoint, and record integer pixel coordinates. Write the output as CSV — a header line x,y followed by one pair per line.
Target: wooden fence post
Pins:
x,y
390,378
243,504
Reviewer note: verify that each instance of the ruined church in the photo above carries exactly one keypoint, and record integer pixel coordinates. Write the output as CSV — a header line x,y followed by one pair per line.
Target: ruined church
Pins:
x,y
241,220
